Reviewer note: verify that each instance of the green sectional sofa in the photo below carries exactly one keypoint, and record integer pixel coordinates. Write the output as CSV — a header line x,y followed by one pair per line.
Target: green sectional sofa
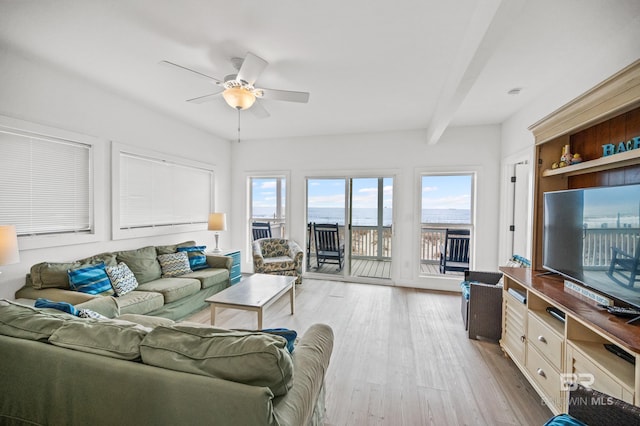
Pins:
x,y
60,369
173,297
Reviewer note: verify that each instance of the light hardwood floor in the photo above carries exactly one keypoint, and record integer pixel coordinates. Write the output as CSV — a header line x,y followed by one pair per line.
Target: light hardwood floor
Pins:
x,y
401,357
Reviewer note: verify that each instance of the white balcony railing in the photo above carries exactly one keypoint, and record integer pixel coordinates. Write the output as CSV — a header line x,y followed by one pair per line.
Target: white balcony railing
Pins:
x,y
598,242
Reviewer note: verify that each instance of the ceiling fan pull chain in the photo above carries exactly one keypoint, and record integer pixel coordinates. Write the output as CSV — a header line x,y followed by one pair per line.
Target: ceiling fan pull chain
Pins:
x,y
238,125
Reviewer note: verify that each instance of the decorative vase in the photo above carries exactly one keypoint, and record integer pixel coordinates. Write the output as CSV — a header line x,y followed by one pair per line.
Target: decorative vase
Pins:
x,y
566,155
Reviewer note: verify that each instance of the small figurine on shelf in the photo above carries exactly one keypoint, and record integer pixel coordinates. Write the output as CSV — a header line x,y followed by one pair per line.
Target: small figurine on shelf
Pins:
x,y
566,156
554,166
576,159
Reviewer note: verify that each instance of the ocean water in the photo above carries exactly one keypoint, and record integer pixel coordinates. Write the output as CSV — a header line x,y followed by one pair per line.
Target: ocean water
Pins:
x,y
369,217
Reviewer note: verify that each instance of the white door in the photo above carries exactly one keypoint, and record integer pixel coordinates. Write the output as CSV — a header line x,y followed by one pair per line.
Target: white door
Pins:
x,y
521,207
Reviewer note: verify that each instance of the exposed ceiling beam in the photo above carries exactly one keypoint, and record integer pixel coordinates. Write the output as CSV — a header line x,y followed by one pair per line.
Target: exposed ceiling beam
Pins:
x,y
490,22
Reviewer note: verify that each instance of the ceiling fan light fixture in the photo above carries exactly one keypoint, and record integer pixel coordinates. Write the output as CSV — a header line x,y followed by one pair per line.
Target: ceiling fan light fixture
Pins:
x,y
238,97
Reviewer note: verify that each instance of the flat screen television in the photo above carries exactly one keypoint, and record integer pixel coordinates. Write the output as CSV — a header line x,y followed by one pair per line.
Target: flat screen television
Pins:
x,y
586,229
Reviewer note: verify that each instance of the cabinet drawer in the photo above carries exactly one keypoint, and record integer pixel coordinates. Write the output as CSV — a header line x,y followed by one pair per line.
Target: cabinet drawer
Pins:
x,y
546,340
547,378
235,270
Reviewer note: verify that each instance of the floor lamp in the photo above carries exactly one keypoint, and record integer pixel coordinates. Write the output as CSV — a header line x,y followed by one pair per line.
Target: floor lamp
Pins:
x,y
217,223
8,245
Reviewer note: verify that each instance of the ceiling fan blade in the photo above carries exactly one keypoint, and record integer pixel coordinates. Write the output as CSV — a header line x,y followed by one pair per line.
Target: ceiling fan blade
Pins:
x,y
259,110
285,95
205,98
251,68
199,74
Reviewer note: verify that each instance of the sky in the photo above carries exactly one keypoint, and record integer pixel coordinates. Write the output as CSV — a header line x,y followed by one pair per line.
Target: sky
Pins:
x,y
438,192
446,192
330,193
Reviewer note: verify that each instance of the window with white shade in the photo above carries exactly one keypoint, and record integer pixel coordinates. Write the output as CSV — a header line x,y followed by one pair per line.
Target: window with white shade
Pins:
x,y
46,184
47,181
156,194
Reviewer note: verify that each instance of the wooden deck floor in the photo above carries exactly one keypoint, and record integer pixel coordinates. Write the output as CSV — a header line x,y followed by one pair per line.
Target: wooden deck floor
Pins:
x,y
359,268
401,357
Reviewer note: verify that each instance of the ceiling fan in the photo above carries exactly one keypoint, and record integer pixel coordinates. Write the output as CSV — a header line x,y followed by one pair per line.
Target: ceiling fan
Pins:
x,y
239,90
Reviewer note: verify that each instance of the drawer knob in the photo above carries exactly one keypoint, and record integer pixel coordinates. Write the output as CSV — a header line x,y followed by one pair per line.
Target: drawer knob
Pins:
x,y
523,338
541,373
542,339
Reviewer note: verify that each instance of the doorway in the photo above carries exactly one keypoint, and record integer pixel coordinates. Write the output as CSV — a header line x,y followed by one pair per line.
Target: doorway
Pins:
x,y
362,209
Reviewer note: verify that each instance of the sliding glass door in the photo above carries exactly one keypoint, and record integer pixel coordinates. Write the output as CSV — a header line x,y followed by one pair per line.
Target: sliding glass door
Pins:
x,y
361,209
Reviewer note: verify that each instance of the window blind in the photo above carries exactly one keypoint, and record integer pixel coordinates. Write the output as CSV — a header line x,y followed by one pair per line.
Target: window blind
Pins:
x,y
155,193
45,184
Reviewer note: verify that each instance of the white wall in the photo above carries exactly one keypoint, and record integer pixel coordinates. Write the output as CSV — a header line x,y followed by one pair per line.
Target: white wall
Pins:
x,y
42,94
518,142
402,154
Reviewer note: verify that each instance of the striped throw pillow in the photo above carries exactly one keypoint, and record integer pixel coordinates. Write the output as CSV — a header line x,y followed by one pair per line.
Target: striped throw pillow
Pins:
x,y
174,264
197,258
122,279
90,279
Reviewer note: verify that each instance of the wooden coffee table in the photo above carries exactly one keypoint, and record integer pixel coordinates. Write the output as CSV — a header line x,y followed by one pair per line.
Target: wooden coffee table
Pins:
x,y
254,293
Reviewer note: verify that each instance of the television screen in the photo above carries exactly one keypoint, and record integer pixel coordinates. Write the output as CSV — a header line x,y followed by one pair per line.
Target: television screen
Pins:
x,y
592,236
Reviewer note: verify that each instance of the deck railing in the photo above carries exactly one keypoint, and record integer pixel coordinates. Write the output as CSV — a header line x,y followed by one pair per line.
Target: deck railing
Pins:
x,y
598,242
368,243
432,240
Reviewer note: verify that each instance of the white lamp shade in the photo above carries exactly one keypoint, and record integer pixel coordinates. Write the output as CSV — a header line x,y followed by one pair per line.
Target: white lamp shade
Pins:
x,y
217,222
8,245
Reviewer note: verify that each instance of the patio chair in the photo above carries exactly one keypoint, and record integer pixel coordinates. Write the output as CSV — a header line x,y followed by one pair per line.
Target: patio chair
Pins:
x,y
481,304
597,408
627,265
261,230
454,253
329,248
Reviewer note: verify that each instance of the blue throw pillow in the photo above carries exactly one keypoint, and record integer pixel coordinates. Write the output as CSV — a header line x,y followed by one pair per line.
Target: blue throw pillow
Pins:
x,y
91,279
290,335
197,258
61,306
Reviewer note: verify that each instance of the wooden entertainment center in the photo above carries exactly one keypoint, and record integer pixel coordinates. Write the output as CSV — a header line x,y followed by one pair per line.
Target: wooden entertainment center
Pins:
x,y
553,354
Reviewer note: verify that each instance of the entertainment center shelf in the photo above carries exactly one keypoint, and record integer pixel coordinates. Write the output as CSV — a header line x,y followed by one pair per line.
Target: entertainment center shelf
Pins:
x,y
551,353
610,162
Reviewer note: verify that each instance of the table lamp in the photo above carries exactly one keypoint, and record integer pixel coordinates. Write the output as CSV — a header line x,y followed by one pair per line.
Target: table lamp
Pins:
x,y
8,245
217,222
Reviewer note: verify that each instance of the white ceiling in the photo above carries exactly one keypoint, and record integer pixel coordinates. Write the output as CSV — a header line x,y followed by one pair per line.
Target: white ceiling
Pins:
x,y
370,65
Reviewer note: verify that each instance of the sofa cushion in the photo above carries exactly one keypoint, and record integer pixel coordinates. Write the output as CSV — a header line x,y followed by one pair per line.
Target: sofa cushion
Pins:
x,y
142,262
174,264
172,248
146,320
113,338
90,279
197,258
122,279
140,302
105,305
61,306
278,263
252,358
172,289
51,275
27,322
108,258
209,277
